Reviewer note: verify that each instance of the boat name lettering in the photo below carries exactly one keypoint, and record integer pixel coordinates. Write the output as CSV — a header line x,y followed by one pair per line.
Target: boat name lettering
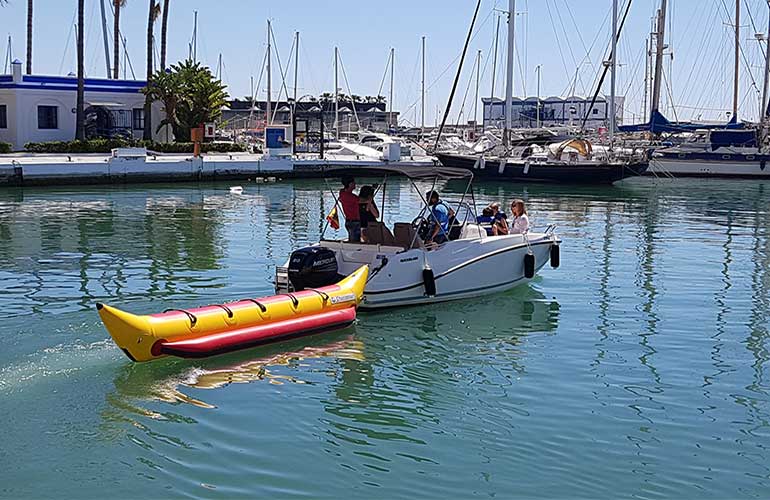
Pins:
x,y
410,259
343,298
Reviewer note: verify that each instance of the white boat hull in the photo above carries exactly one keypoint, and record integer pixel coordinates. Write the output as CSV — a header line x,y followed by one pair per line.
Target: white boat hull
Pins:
x,y
461,268
663,167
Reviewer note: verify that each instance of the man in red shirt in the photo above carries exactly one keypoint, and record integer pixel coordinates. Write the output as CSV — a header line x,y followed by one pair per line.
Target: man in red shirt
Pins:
x,y
349,202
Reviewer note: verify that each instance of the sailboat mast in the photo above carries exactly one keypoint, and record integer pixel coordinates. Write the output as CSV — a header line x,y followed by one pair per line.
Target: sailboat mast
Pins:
x,y
296,65
336,98
763,111
268,115
613,69
476,100
509,73
294,101
494,59
422,92
659,39
390,98
195,37
538,68
104,38
646,74
8,56
737,58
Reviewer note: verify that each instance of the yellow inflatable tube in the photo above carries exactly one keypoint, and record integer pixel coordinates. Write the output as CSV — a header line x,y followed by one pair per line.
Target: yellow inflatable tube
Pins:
x,y
216,329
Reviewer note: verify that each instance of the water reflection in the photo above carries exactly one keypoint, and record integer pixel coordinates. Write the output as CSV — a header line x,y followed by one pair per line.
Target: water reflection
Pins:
x,y
416,376
71,248
644,356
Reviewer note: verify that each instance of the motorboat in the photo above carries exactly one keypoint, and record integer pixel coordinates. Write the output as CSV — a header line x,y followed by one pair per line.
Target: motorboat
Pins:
x,y
404,270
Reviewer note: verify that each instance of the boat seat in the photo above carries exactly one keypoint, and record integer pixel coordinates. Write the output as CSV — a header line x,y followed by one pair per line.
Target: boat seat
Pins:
x,y
405,233
377,233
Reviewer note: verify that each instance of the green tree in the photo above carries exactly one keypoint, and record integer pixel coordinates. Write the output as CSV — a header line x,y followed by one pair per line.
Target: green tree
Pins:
x,y
190,94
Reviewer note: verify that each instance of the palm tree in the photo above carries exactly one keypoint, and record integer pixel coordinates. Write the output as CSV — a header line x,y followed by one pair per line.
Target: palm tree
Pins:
x,y
80,130
29,37
152,15
163,26
116,6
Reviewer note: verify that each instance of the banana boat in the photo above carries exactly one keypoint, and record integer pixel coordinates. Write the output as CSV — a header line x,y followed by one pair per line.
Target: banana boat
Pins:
x,y
221,328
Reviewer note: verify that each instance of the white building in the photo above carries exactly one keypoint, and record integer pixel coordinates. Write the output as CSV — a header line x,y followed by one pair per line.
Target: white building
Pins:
x,y
37,108
554,112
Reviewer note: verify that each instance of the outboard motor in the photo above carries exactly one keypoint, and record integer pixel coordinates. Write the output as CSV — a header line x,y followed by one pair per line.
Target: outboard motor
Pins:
x,y
313,267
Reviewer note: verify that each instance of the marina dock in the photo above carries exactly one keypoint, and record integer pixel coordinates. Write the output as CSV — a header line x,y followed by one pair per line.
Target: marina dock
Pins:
x,y
74,169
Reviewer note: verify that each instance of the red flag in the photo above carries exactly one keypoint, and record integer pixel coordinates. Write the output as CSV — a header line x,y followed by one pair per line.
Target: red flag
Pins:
x,y
334,218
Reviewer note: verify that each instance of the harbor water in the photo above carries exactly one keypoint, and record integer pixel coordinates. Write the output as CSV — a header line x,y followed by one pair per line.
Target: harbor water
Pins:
x,y
636,369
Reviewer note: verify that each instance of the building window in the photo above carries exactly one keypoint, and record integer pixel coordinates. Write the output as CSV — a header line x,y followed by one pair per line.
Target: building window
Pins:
x,y
138,118
47,117
596,111
3,116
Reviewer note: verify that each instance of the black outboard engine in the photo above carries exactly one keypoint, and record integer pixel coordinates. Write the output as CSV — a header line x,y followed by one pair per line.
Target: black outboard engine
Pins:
x,y
313,267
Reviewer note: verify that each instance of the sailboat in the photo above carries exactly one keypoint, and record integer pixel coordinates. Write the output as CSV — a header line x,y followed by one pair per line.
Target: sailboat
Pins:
x,y
574,160
729,150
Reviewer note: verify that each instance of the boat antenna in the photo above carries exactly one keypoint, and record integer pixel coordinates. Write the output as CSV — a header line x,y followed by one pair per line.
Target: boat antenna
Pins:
x,y
457,76
606,68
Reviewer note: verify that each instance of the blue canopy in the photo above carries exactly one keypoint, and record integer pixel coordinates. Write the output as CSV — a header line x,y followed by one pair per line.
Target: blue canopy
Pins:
x,y
659,124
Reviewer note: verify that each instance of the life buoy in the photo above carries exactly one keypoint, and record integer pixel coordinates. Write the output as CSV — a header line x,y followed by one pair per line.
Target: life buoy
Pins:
x,y
529,266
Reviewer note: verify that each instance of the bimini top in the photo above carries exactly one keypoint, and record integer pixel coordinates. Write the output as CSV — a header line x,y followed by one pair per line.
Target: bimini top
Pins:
x,y
412,172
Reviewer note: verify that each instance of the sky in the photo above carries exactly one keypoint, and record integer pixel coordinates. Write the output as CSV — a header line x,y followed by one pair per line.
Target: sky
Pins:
x,y
566,38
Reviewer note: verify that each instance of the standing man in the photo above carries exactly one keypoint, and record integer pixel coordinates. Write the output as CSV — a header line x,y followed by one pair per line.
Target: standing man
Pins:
x,y
349,202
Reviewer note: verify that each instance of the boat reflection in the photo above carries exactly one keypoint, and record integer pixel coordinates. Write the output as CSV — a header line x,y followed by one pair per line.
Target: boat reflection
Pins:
x,y
163,381
422,360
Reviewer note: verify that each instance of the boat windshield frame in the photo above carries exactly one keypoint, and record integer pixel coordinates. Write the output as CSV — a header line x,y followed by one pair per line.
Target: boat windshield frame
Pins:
x,y
434,173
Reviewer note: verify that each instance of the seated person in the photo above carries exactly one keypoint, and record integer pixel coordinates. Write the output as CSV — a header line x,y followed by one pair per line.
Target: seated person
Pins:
x,y
486,219
438,218
520,224
500,222
493,220
367,210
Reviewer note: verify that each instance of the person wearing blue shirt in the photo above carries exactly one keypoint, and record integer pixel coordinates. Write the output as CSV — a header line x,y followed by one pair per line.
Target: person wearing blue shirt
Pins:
x,y
440,214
